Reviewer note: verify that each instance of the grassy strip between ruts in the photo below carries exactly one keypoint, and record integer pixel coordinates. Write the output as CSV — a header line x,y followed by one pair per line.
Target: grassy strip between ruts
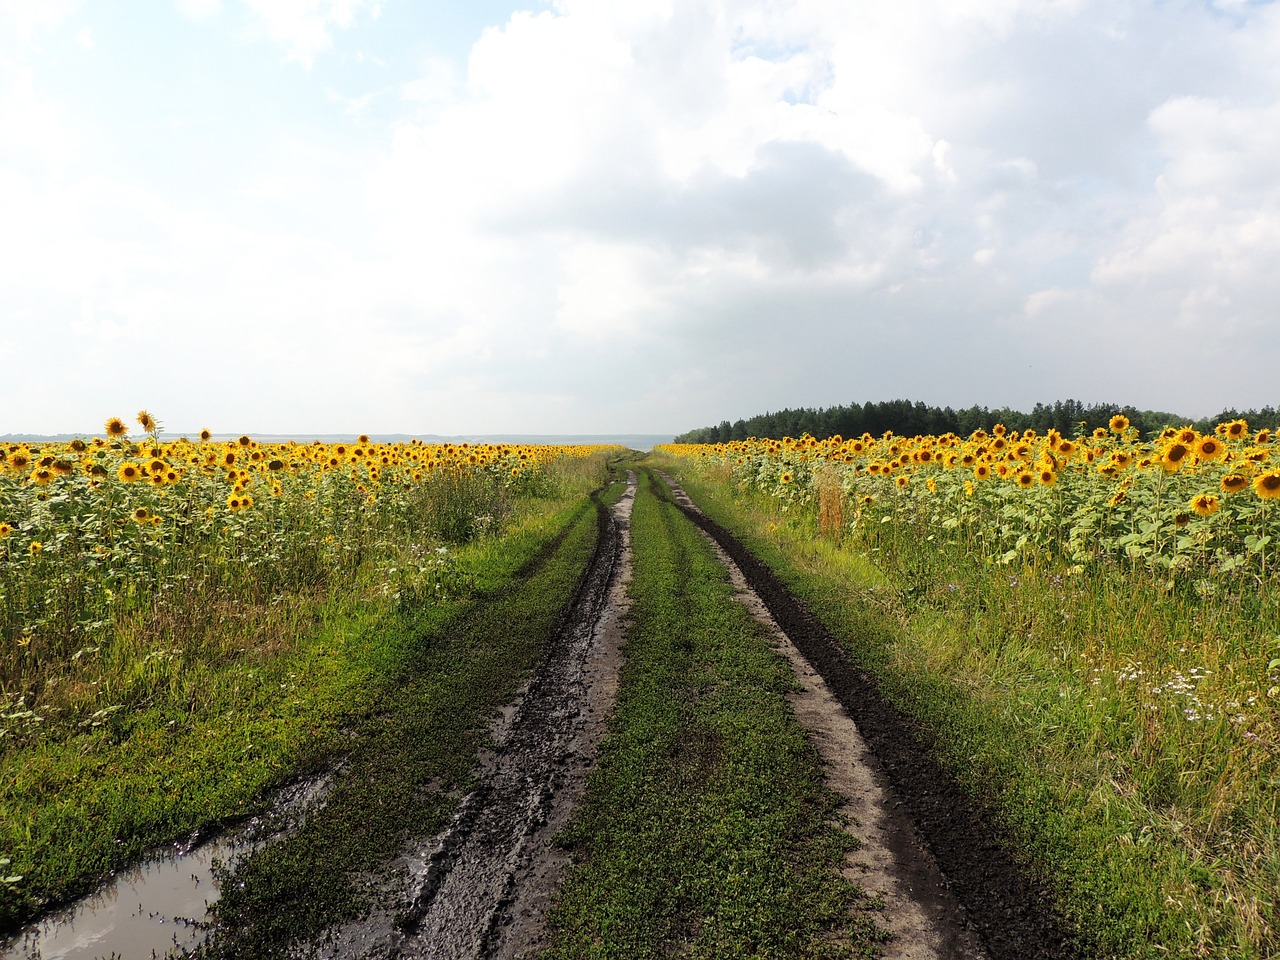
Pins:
x,y
706,830
1002,692
74,808
412,755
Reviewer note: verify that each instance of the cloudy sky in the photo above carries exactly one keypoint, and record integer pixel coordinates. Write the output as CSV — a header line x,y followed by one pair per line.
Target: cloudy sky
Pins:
x,y
571,216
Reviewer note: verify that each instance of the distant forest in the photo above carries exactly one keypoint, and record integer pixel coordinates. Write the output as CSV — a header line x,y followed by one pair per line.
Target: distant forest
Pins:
x,y
904,418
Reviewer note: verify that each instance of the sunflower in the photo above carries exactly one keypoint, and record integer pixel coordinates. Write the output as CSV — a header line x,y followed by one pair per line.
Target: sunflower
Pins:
x,y
1175,455
1048,477
244,441
1267,485
116,428
235,502
1234,483
35,547
786,477
1187,436
1117,498
1209,448
902,481
5,530
79,446
1025,480
968,488
1263,437
206,435
1205,505
129,472
141,514
146,421
1236,429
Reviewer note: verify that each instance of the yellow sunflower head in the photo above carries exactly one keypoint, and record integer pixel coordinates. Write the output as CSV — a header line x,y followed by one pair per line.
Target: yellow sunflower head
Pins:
x,y
1175,455
115,428
1209,448
1206,504
1234,483
1267,485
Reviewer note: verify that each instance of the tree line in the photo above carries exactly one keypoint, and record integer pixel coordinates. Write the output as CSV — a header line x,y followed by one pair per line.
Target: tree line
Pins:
x,y
905,418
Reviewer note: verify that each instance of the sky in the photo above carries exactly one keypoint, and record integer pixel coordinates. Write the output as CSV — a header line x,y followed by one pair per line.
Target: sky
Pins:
x,y
631,216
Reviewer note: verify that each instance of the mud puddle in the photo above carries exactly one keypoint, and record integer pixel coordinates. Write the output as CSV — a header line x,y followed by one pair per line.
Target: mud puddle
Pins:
x,y
481,888
159,906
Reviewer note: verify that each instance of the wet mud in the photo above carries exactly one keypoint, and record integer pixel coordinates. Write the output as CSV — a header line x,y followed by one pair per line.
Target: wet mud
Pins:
x,y
951,888
482,888
160,905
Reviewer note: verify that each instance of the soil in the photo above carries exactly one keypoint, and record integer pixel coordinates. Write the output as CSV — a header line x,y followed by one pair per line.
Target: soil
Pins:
x,y
1012,916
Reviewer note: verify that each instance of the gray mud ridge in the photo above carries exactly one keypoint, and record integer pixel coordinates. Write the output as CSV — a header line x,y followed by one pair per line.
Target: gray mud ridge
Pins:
x,y
482,887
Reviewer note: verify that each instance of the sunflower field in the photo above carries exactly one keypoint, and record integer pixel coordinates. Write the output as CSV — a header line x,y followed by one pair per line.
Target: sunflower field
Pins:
x,y
1186,505
1087,627
117,554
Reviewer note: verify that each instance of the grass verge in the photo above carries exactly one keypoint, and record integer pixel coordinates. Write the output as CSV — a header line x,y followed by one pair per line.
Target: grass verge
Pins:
x,y
1122,738
706,830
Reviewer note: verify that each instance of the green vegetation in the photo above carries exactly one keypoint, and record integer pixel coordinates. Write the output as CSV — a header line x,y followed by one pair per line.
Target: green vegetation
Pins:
x,y
398,655
1127,735
424,723
706,831
905,418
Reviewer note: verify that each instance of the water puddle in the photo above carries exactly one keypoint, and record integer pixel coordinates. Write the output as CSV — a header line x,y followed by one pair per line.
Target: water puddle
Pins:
x,y
160,906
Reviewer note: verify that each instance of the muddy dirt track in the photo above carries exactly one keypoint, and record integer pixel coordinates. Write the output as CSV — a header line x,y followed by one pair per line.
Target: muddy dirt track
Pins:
x,y
480,889
483,887
1011,915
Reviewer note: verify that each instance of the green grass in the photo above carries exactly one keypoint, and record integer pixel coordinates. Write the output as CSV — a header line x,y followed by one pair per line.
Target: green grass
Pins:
x,y
706,830
339,673
1128,737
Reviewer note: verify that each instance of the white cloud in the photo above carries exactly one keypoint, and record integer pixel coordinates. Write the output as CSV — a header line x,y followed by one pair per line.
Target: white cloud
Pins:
x,y
304,27
199,9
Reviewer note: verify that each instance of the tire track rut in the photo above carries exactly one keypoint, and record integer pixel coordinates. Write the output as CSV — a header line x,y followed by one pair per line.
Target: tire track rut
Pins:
x,y
480,889
951,888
